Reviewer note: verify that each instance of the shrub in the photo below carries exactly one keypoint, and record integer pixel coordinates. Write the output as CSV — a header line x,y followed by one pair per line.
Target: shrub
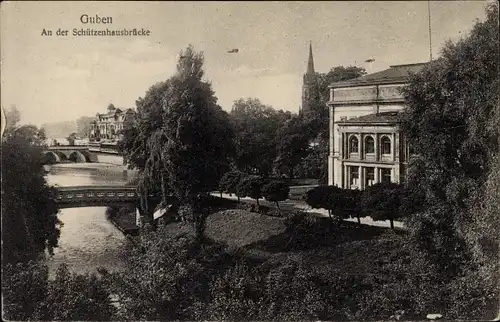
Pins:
x,y
250,186
276,191
168,274
73,297
341,203
229,182
28,294
383,201
305,230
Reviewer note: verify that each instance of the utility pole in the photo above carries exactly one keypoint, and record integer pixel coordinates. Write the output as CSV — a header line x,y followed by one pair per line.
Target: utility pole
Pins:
x,y
430,33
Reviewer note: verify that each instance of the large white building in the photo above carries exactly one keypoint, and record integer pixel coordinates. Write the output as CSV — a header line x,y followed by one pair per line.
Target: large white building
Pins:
x,y
108,126
366,146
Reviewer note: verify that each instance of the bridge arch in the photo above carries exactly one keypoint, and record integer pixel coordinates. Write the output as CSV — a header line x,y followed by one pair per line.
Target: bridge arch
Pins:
x,y
79,157
50,157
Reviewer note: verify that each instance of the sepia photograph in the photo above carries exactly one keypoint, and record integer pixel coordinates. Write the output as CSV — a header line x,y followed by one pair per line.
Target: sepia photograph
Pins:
x,y
250,160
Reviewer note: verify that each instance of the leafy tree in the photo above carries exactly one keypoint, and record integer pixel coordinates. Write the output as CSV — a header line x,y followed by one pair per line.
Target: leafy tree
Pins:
x,y
29,294
382,201
183,138
71,138
293,144
276,191
250,186
73,297
353,203
83,125
24,286
316,197
229,182
256,127
169,273
29,212
12,117
339,202
304,140
452,124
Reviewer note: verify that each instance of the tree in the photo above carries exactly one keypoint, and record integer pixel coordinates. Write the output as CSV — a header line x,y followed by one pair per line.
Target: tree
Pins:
x,y
250,186
168,274
71,139
293,144
229,182
382,201
73,297
451,122
353,203
29,211
304,141
83,125
276,191
12,117
256,127
183,139
337,201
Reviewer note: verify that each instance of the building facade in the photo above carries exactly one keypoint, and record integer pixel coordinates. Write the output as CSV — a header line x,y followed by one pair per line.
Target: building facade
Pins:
x,y
106,127
366,146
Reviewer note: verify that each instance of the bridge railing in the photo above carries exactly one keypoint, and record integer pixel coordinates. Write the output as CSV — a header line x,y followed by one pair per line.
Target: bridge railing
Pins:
x,y
82,195
96,188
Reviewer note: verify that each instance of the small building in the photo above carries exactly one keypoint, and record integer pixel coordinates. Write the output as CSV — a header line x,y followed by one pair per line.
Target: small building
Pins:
x,y
108,126
366,146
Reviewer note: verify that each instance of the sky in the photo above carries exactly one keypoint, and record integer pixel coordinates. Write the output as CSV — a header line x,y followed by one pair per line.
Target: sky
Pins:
x,y
59,78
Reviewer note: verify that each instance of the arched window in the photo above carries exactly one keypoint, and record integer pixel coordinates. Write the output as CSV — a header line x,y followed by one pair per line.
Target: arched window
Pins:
x,y
353,144
369,145
385,145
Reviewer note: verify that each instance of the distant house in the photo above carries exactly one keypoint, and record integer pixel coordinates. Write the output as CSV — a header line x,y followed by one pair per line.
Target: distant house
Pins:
x,y
108,126
366,146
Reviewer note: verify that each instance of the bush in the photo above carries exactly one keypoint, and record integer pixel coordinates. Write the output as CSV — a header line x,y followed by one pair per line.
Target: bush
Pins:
x,y
305,230
167,276
341,203
250,186
383,201
229,182
29,295
73,297
276,191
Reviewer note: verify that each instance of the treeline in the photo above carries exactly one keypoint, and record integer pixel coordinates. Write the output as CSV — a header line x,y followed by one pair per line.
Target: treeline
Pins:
x,y
182,144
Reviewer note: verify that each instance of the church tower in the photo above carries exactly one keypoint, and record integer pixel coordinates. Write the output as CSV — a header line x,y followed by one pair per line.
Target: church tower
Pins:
x,y
308,82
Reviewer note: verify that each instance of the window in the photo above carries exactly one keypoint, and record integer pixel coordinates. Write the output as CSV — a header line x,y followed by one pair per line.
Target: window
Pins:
x,y
370,176
385,144
386,175
353,144
354,175
369,145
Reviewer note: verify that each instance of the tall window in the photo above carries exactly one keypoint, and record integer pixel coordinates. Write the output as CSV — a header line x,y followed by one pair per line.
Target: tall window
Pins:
x,y
385,175
385,145
370,176
369,145
353,144
354,175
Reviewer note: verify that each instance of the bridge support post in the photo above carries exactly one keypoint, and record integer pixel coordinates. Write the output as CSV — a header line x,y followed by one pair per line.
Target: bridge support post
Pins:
x,y
143,218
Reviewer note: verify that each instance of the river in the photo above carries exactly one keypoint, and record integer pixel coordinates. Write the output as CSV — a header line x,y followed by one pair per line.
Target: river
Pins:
x,y
88,240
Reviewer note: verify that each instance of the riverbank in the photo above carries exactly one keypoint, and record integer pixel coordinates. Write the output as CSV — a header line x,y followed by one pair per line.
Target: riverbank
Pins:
x,y
124,219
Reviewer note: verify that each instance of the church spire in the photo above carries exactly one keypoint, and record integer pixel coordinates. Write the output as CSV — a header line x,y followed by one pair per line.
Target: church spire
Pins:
x,y
310,63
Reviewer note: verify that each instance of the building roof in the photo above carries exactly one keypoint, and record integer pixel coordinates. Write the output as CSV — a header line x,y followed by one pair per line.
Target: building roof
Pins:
x,y
383,117
394,74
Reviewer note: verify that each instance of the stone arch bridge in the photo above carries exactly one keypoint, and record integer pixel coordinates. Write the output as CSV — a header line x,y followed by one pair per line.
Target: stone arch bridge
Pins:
x,y
72,153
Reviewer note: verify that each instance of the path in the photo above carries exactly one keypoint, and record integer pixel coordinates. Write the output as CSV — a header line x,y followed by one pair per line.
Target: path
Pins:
x,y
300,205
